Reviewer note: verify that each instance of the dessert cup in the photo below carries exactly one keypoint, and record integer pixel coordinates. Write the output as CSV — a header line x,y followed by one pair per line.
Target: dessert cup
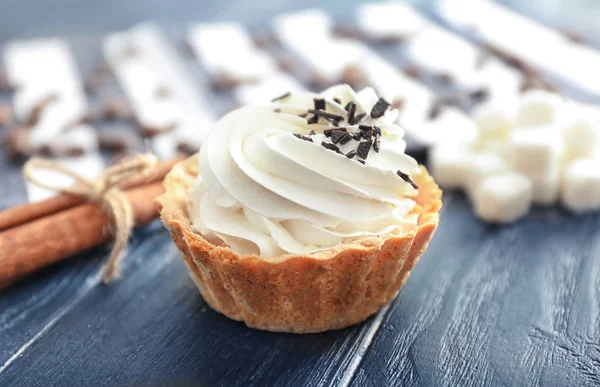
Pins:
x,y
315,292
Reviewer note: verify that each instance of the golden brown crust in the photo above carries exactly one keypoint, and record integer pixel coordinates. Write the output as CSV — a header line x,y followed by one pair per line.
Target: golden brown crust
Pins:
x,y
298,293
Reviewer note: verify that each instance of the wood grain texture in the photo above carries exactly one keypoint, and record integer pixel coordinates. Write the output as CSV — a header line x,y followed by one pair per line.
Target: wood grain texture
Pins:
x,y
485,306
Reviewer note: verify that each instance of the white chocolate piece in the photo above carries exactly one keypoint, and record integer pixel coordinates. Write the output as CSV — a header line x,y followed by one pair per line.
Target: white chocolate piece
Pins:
x,y
226,49
580,138
492,123
536,151
43,68
482,166
503,198
154,65
389,20
528,40
88,165
580,191
267,89
537,108
449,164
443,52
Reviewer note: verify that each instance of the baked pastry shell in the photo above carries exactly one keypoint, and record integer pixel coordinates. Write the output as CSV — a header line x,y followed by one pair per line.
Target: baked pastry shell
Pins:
x,y
308,293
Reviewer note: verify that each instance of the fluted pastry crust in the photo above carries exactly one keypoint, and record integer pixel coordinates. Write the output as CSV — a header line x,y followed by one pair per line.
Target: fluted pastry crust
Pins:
x,y
315,292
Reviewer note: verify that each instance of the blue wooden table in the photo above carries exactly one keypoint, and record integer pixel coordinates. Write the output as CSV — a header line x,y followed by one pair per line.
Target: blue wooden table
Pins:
x,y
484,306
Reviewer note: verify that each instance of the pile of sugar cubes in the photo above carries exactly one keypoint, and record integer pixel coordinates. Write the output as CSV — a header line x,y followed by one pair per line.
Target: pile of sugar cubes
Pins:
x,y
541,151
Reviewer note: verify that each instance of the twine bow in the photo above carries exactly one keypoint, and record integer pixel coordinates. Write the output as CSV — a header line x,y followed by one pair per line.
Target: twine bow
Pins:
x,y
103,190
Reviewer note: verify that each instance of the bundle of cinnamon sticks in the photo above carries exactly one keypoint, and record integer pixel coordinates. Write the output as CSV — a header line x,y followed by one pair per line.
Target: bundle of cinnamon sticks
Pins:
x,y
35,235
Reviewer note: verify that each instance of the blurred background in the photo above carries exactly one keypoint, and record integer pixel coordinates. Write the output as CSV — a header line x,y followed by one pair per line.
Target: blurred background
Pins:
x,y
27,18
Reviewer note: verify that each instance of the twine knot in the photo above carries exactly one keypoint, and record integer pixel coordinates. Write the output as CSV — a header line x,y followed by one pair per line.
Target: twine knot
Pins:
x,y
103,190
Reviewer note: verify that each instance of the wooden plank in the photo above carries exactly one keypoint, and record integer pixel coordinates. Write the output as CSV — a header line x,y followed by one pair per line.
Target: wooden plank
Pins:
x,y
154,328
512,306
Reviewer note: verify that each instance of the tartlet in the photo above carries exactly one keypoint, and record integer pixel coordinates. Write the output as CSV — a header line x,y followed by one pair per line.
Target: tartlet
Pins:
x,y
316,292
303,214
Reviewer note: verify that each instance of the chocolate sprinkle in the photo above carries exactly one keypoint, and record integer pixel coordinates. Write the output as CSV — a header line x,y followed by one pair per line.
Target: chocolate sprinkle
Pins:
x,y
301,137
327,132
435,111
337,135
364,148
356,119
407,179
326,115
313,120
319,103
331,146
379,108
282,96
351,154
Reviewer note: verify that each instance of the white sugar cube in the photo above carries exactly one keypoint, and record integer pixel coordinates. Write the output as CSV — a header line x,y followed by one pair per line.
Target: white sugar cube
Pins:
x,y
492,122
503,148
503,198
482,166
537,108
581,185
536,151
546,186
580,138
450,164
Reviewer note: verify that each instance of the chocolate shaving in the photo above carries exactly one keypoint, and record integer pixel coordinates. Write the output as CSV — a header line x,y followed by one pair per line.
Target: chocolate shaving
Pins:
x,y
116,109
327,132
223,82
345,138
186,148
5,86
118,139
37,110
6,114
379,108
435,111
351,110
413,71
312,120
312,133
351,154
303,115
282,96
301,137
357,136
337,100
573,36
356,119
337,135
277,110
407,179
479,94
363,162
377,140
327,116
363,149
398,103
365,127
331,146
319,103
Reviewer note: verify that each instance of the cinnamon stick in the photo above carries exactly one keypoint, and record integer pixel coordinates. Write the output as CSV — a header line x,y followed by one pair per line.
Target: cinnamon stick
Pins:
x,y
33,245
27,212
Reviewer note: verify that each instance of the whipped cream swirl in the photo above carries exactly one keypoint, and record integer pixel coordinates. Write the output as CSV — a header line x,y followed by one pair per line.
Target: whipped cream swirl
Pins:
x,y
272,181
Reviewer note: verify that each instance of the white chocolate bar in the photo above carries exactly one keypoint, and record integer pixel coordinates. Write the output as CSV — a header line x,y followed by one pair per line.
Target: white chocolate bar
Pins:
x,y
389,20
307,35
526,39
226,49
154,64
40,69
